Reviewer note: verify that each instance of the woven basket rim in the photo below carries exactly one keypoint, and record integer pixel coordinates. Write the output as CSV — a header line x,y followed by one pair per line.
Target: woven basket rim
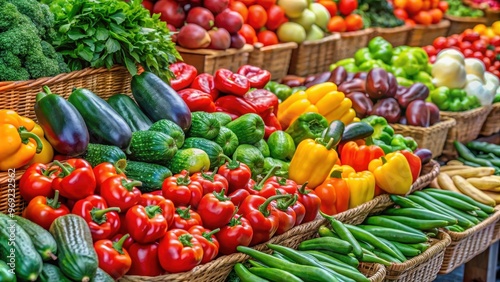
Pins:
x,y
330,37
441,24
215,53
378,270
286,45
445,122
361,32
492,219
397,29
465,19
466,114
424,180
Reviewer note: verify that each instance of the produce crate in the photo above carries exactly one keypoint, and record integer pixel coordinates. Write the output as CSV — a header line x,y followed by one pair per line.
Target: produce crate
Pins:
x,y
468,244
423,35
10,199
432,137
21,95
314,56
208,61
352,41
467,127
274,58
459,24
397,36
492,123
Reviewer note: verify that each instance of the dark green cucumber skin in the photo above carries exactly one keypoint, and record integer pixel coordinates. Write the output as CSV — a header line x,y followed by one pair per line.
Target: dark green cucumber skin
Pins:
x,y
213,150
249,128
77,258
357,130
98,153
204,125
223,118
171,129
105,125
130,112
5,273
42,240
152,146
151,175
227,140
159,101
51,273
62,124
102,276
28,263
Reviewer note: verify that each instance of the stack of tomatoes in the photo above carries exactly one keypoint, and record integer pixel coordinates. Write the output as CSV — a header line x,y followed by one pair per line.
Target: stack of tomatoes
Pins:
x,y
424,12
342,16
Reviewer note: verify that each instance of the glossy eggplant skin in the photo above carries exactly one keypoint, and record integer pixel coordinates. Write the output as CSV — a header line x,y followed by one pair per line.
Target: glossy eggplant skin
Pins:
x,y
62,124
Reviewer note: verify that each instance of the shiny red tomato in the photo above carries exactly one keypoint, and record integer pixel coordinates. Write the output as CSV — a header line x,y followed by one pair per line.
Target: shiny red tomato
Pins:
x,y
452,41
266,3
471,36
490,54
479,46
464,45
267,37
495,41
257,16
496,72
432,59
478,55
496,64
487,62
430,50
346,7
440,42
248,2
275,17
248,33
467,53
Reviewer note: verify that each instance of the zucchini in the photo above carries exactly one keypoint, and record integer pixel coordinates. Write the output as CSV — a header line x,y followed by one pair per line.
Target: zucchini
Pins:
x,y
227,140
171,129
334,131
263,148
98,153
17,248
152,146
159,101
6,274
151,175
102,276
77,257
43,241
192,160
130,112
51,273
213,150
357,130
249,128
105,125
223,118
204,125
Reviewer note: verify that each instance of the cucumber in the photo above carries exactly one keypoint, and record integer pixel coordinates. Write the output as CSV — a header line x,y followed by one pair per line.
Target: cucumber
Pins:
x,y
387,221
223,118
227,140
151,175
130,112
250,156
77,257
102,276
334,131
51,273
204,125
18,250
105,125
152,146
98,153
249,128
420,214
263,147
192,160
213,150
357,130
171,129
43,241
394,234
420,224
407,250
281,145
6,274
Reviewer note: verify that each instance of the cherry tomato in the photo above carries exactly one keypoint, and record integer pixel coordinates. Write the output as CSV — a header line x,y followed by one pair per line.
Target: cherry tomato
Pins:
x,y
432,59
452,41
478,55
487,62
267,37
275,17
430,50
266,3
490,54
346,7
465,45
495,41
440,43
353,22
248,33
471,36
257,16
468,53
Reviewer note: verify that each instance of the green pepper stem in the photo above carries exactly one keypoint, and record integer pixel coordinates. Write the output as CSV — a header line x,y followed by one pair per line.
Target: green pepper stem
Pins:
x,y
183,213
99,215
46,90
336,174
209,177
183,181
369,141
330,144
48,172
120,166
384,160
185,240
283,204
25,135
221,196
208,235
118,246
263,208
269,174
66,169
130,185
232,164
235,221
153,210
302,190
54,202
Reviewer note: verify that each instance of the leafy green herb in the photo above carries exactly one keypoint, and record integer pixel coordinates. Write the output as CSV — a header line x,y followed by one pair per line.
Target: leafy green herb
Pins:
x,y
97,33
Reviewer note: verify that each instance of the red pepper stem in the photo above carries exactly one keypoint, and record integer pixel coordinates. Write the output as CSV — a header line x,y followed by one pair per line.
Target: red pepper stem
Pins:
x,y
66,169
208,235
302,190
99,215
330,144
232,164
185,240
26,135
336,174
209,177
183,181
130,185
184,213
384,160
120,166
118,246
263,208
153,210
54,202
270,174
221,196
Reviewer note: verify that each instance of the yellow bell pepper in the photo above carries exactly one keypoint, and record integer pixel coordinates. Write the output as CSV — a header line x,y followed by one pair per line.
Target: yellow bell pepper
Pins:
x,y
361,186
312,162
392,173
19,145
346,170
47,153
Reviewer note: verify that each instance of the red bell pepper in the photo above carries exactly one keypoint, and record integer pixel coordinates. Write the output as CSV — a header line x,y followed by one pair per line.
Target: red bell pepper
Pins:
x,y
262,101
120,192
43,211
286,215
123,224
358,157
238,232
268,188
211,181
145,261
234,105
216,210
257,77
281,184
185,218
146,224
127,243
271,122
205,82
311,202
76,180
237,174
231,83
167,207
197,100
415,164
184,75
113,258
238,196
179,251
103,222
181,190
262,217
207,240
106,170
300,211
37,181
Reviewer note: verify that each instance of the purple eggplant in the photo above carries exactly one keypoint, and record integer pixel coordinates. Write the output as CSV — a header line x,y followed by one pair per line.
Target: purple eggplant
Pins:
x,y
417,114
417,91
360,103
387,108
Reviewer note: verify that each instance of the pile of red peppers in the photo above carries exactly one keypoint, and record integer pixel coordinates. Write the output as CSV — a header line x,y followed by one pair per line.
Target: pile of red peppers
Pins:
x,y
233,93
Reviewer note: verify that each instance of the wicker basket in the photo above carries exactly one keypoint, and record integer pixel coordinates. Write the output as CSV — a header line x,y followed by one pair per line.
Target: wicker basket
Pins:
x,y
274,58
468,244
496,233
423,35
432,138
491,16
10,199
459,24
492,123
374,271
21,95
208,61
358,214
467,127
314,56
397,36
429,172
352,41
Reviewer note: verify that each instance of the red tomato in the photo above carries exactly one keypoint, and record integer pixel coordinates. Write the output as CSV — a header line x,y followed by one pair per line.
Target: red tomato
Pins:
x,y
497,49
465,45
490,54
452,41
432,59
248,2
443,6
414,6
248,33
496,64
240,8
478,55
330,6
430,50
467,53
266,3
496,72
346,7
436,15
471,36
267,37
336,24
423,17
479,45
440,42
353,22
275,17
410,22
401,14
487,62
257,16
495,41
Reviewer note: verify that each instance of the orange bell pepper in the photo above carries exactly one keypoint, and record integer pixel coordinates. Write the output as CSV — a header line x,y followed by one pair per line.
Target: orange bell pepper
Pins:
x,y
334,194
359,157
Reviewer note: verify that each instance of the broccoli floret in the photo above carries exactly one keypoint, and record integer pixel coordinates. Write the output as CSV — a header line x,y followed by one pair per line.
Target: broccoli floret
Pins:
x,y
38,65
49,52
9,15
38,13
11,67
19,40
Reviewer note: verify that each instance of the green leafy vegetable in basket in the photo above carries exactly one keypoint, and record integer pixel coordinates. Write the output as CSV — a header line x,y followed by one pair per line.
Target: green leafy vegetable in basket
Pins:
x,y
378,13
459,9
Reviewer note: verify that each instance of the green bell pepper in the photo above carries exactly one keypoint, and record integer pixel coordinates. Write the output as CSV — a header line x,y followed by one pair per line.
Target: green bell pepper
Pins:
x,y
408,61
370,64
298,88
263,148
457,93
386,148
400,49
411,143
381,129
404,81
423,77
362,55
467,103
439,96
269,163
380,49
351,68
280,90
307,125
399,142
342,63
497,98
455,105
